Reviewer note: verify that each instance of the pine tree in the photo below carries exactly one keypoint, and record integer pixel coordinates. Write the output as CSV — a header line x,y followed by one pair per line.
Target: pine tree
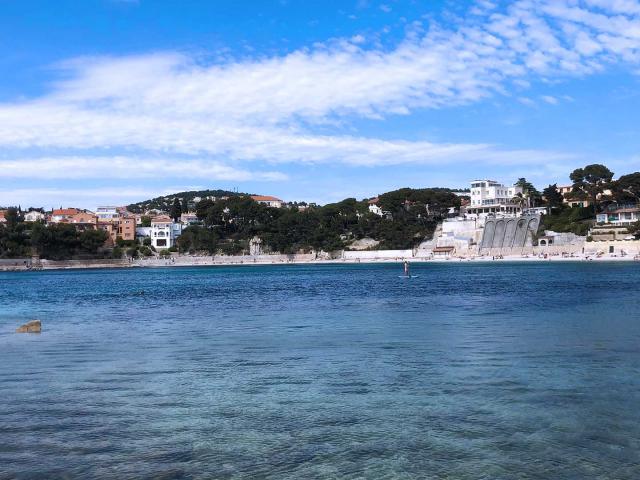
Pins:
x,y
176,210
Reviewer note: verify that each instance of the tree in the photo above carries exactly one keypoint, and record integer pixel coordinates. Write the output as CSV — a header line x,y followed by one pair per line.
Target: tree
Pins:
x,y
591,180
176,210
627,188
185,205
553,196
145,221
92,240
520,199
529,192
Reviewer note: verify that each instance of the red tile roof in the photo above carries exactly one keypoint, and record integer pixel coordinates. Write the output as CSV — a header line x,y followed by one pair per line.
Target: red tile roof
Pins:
x,y
265,198
162,219
65,211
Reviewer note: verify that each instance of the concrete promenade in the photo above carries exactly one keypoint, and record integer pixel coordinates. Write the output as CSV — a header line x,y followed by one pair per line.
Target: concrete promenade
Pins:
x,y
620,250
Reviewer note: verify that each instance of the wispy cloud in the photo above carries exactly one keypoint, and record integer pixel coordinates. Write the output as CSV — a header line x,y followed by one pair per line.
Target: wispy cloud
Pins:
x,y
209,117
121,167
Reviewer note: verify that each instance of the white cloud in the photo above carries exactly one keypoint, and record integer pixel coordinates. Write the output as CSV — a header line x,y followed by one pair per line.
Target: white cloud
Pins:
x,y
120,167
175,107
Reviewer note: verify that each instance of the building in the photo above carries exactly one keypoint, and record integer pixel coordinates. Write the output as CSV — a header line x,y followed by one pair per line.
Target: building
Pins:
x,y
189,218
164,232
34,216
107,213
60,214
2,216
491,197
267,200
112,231
82,221
374,207
571,199
619,215
127,228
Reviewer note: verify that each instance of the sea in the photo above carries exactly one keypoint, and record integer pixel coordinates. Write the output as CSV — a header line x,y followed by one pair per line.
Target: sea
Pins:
x,y
469,370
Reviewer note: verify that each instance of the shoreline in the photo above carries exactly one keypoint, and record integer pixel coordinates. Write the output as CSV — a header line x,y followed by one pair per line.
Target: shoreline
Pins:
x,y
186,261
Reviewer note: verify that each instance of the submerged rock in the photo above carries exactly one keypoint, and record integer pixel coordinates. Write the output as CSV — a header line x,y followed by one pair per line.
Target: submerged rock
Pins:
x,y
34,326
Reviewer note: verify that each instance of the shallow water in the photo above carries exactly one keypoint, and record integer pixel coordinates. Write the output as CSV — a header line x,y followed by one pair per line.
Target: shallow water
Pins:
x,y
495,371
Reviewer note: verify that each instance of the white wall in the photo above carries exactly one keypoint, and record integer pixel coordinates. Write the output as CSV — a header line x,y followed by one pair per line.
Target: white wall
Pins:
x,y
377,254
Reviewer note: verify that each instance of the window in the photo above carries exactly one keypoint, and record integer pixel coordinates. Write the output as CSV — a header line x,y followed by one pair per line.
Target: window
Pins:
x,y
162,243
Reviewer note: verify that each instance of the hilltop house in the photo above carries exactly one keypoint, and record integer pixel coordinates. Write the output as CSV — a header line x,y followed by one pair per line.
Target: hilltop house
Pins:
x,y
569,197
267,200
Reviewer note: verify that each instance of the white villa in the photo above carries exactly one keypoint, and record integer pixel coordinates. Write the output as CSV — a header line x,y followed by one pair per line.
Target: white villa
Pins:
x,y
34,216
164,232
491,197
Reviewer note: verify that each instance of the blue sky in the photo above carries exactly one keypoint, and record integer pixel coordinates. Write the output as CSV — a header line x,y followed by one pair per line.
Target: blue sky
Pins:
x,y
114,101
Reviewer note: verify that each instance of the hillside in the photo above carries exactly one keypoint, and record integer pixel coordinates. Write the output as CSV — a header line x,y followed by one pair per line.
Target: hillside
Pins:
x,y
192,197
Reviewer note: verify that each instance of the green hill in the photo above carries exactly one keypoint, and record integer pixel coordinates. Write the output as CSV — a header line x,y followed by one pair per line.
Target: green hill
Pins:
x,y
164,203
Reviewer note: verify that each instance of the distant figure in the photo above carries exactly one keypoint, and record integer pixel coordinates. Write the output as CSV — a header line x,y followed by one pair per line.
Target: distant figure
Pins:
x,y
406,268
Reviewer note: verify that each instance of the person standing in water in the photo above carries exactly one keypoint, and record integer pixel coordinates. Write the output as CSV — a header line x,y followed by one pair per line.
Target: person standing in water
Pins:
x,y
406,268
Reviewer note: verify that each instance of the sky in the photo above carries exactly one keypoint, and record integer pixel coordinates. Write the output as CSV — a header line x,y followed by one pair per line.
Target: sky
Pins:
x,y
117,101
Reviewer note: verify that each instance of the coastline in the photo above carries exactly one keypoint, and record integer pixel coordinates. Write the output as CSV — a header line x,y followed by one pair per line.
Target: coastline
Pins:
x,y
195,261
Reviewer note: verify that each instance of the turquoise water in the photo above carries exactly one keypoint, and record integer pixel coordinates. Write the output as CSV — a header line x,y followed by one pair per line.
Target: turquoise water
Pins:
x,y
494,371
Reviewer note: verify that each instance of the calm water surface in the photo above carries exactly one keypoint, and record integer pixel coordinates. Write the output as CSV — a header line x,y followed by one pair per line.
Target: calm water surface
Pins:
x,y
494,371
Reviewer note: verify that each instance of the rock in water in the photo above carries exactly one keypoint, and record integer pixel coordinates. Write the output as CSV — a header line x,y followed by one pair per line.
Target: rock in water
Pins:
x,y
34,326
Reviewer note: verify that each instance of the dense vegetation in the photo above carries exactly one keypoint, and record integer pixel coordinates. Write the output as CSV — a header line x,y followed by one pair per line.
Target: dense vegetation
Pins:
x,y
411,215
576,220
55,242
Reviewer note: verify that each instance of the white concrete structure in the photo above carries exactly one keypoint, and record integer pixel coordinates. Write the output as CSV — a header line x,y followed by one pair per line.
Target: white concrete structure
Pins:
x,y
164,232
491,197
460,232
376,210
107,213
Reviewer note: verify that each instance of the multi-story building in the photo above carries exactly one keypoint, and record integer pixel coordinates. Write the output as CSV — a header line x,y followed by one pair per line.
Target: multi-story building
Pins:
x,y
491,197
127,228
107,213
164,232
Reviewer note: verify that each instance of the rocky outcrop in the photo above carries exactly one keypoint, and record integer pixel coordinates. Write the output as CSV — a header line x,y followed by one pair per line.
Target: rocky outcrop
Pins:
x,y
34,326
